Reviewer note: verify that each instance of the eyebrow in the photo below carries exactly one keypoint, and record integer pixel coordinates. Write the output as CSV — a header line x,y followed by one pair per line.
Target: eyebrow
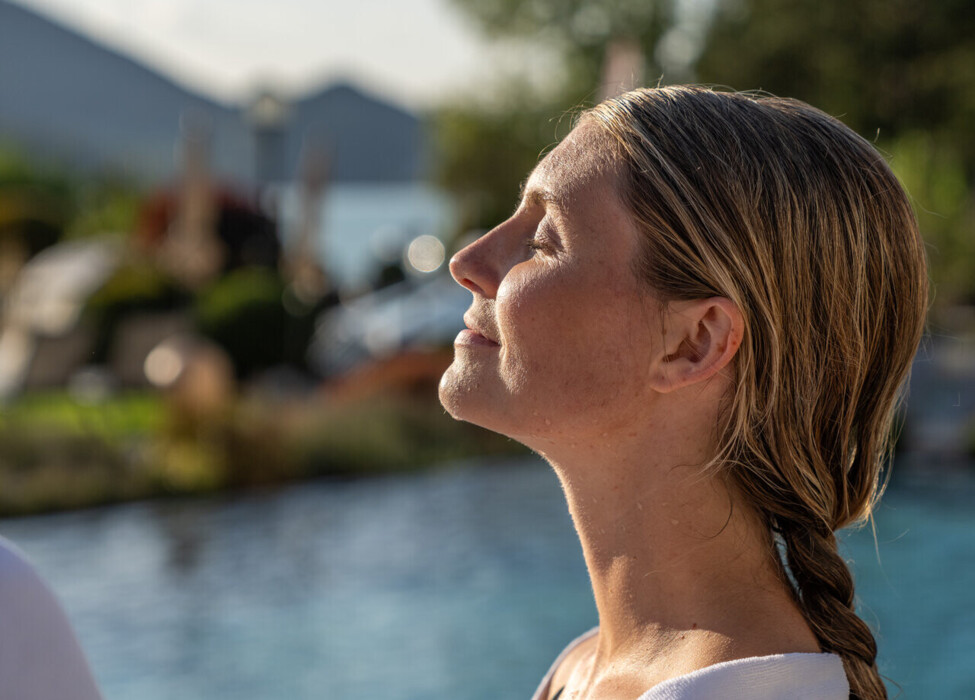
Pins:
x,y
536,196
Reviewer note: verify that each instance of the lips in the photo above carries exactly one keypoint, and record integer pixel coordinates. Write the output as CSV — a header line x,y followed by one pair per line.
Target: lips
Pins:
x,y
477,332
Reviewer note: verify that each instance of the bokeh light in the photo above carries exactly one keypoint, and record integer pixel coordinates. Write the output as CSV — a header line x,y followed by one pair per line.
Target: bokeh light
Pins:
x,y
164,364
425,254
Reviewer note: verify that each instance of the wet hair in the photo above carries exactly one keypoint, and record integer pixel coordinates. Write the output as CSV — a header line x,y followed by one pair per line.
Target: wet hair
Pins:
x,y
801,223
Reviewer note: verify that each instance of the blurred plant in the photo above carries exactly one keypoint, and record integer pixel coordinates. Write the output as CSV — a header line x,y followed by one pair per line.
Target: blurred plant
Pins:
x,y
944,201
57,452
483,153
138,286
487,142
389,433
105,207
579,31
189,466
898,72
17,169
125,416
243,313
885,67
36,204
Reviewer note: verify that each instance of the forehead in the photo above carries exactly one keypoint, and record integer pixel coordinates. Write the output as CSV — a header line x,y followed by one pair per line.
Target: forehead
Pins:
x,y
582,158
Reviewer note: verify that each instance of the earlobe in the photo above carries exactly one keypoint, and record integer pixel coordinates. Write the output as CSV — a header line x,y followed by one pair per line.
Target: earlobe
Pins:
x,y
701,339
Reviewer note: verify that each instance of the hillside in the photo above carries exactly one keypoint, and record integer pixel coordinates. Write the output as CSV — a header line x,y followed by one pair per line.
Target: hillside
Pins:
x,y
63,96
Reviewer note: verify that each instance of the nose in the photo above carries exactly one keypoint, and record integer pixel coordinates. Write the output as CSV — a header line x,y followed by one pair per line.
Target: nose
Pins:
x,y
468,270
481,266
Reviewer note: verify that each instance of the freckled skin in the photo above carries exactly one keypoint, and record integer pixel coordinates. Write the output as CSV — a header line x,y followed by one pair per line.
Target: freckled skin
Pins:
x,y
575,325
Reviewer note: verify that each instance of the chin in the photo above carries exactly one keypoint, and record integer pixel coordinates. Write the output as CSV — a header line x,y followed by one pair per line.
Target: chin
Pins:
x,y
459,393
467,396
448,396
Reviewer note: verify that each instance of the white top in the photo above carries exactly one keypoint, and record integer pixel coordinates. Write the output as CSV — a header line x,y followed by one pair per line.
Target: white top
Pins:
x,y
778,677
40,658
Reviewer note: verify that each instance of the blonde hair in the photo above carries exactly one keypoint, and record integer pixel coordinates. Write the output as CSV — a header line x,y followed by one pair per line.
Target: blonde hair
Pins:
x,y
800,222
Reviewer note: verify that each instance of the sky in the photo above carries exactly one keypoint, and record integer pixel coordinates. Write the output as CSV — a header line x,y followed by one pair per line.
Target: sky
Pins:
x,y
412,51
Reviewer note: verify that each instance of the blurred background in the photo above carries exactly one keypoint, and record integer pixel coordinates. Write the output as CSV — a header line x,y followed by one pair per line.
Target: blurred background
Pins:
x,y
225,310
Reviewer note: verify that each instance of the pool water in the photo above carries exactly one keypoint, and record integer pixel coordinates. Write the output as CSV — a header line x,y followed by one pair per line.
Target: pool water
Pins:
x,y
461,583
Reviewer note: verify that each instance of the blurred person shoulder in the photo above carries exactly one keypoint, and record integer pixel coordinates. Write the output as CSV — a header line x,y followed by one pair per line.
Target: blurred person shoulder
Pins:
x,y
40,657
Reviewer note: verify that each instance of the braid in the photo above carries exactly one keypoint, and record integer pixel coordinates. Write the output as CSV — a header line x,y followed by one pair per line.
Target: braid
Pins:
x,y
824,592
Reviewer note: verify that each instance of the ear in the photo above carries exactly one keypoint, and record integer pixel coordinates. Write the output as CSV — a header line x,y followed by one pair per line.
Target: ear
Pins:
x,y
701,338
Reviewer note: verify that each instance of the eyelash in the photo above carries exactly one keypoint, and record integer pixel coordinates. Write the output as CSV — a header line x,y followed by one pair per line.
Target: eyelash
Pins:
x,y
534,244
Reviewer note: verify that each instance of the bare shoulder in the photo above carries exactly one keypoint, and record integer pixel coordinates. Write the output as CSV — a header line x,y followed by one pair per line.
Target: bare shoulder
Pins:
x,y
581,653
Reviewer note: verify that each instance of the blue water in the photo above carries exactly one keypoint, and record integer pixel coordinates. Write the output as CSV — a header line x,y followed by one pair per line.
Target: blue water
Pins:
x,y
461,583
365,225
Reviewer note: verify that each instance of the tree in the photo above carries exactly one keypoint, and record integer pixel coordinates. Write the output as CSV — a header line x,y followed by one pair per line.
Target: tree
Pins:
x,y
485,152
580,30
487,145
900,73
888,65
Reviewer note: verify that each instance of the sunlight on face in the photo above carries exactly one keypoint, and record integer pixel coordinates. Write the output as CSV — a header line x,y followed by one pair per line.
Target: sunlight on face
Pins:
x,y
565,323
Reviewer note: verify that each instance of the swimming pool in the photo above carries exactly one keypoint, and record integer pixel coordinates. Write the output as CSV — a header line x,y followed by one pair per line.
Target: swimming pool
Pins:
x,y
463,582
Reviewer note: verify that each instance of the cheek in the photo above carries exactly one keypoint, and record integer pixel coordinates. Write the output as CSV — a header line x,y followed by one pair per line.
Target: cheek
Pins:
x,y
580,346
538,317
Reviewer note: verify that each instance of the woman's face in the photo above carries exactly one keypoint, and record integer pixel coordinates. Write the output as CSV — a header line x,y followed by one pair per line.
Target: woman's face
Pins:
x,y
560,332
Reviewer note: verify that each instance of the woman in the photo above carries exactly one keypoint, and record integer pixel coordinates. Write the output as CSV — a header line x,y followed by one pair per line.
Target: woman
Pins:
x,y
701,314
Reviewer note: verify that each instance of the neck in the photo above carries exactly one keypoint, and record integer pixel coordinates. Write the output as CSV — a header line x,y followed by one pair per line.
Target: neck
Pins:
x,y
682,572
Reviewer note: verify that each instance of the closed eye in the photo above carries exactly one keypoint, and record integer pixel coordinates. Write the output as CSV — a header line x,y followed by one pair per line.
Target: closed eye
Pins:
x,y
545,238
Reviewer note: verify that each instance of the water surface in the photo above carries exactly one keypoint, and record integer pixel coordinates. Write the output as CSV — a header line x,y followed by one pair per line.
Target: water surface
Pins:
x,y
461,583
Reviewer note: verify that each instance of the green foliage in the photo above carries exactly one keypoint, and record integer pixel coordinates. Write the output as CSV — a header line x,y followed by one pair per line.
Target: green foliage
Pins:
x,y
40,202
105,207
40,473
571,21
124,416
17,170
888,65
900,73
58,453
578,30
484,154
487,144
14,167
243,313
36,202
944,201
138,286
389,434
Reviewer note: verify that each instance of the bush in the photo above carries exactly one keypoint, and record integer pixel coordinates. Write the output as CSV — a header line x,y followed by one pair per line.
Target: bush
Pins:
x,y
390,434
242,313
135,287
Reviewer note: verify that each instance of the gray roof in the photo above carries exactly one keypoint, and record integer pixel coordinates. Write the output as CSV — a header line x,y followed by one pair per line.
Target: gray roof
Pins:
x,y
65,97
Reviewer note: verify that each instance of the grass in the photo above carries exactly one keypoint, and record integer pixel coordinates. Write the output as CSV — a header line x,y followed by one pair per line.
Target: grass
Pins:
x,y
59,453
390,434
118,418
